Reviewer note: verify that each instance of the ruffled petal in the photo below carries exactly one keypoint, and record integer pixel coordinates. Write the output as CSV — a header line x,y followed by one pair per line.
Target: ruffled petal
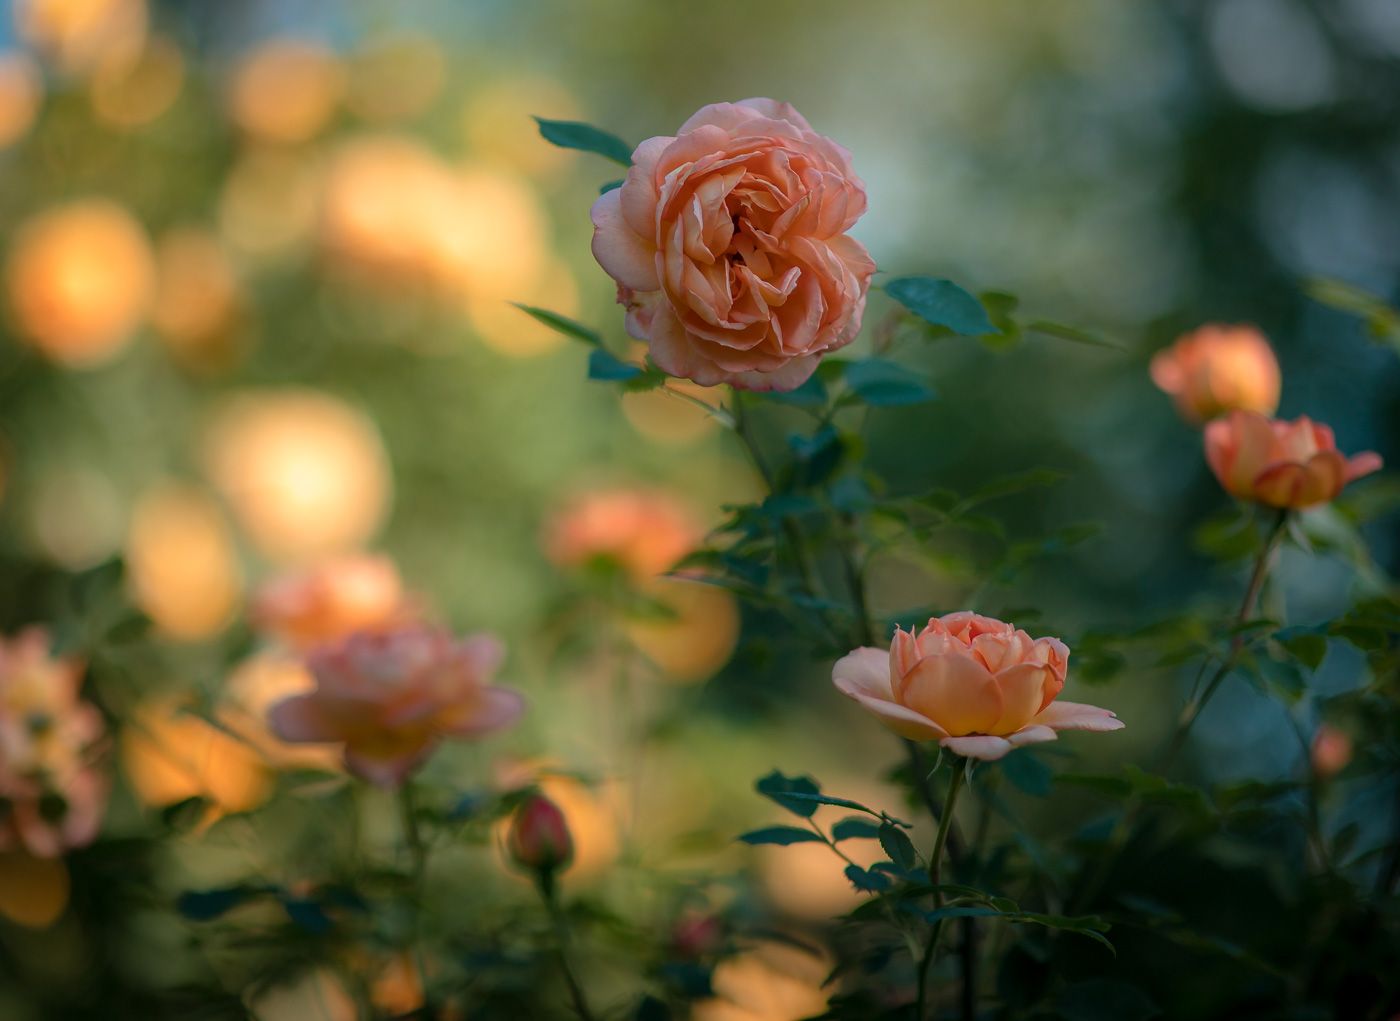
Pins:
x,y
300,720
493,709
978,746
1060,715
955,690
624,254
866,670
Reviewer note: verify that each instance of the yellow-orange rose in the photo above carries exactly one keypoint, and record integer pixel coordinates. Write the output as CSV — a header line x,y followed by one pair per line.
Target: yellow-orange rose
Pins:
x,y
976,685
1291,465
1215,369
729,247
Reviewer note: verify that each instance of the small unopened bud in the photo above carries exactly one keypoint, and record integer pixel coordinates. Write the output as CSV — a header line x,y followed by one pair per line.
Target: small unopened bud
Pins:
x,y
539,836
697,935
1331,751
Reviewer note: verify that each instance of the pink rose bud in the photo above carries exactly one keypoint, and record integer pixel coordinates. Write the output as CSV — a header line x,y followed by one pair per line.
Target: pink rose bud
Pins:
x,y
539,835
1331,751
1216,369
697,935
1281,464
976,685
729,247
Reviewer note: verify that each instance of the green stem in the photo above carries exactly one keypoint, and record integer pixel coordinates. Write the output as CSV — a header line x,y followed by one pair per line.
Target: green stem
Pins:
x,y
550,895
935,875
418,859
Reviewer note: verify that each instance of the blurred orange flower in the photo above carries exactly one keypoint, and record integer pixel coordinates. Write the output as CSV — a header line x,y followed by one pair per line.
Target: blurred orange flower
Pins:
x,y
1215,369
54,795
268,204
389,699
1292,465
770,982
396,76
78,34
131,93
182,567
199,300
698,635
305,473
1331,751
80,279
255,686
172,755
285,90
643,532
332,599
33,891
21,92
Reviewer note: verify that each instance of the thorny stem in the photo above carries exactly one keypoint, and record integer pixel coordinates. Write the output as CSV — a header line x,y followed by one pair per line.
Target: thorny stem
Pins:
x,y
935,875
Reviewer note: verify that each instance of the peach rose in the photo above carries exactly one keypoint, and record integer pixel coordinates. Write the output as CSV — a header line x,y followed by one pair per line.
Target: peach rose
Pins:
x,y
728,244
331,600
1215,369
1282,464
642,531
976,685
53,797
390,697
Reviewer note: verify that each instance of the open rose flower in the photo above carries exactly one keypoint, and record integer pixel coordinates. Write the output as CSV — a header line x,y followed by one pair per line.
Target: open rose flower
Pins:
x,y
390,697
52,795
1291,465
976,685
728,244
1216,369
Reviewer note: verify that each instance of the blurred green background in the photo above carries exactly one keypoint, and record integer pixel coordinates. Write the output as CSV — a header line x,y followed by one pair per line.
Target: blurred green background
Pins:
x,y
259,258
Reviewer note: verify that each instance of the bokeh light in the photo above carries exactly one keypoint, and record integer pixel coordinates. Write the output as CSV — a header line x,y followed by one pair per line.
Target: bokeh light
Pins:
x,y
21,92
286,90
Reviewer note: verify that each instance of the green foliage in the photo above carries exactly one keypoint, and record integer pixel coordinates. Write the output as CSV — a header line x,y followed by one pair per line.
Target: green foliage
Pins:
x,y
780,835
563,324
941,303
585,138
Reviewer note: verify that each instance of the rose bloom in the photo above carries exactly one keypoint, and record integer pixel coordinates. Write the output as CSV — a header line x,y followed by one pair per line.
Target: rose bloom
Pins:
x,y
390,697
331,600
52,795
976,685
1291,465
728,244
1215,369
644,532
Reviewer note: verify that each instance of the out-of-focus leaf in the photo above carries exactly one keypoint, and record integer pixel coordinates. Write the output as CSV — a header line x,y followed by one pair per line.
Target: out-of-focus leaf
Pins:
x,y
562,324
652,1009
942,303
1090,926
1382,321
1027,773
608,186
1001,308
205,905
1073,334
883,383
603,366
812,393
818,456
585,138
782,836
1306,645
308,915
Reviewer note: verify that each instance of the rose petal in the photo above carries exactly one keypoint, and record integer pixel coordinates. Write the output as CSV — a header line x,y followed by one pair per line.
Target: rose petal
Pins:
x,y
978,746
1363,464
386,771
903,721
1022,693
954,690
866,670
494,709
626,256
300,719
1061,715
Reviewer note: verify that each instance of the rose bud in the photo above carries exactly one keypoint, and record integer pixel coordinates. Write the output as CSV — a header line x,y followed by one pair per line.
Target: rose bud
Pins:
x,y
1331,751
976,685
1292,465
697,935
729,247
1216,369
390,697
539,836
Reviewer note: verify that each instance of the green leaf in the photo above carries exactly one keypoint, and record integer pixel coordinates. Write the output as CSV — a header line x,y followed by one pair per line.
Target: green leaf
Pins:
x,y
818,456
855,828
780,835
585,138
609,186
797,794
959,911
1090,926
883,383
603,366
1306,646
942,303
812,393
898,846
205,905
1001,308
867,881
562,324
1072,333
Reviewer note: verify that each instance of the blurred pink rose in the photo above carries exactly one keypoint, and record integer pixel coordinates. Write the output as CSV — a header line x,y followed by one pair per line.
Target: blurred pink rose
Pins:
x,y
1215,369
728,244
54,798
976,685
331,600
1282,464
642,531
390,697
1331,751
